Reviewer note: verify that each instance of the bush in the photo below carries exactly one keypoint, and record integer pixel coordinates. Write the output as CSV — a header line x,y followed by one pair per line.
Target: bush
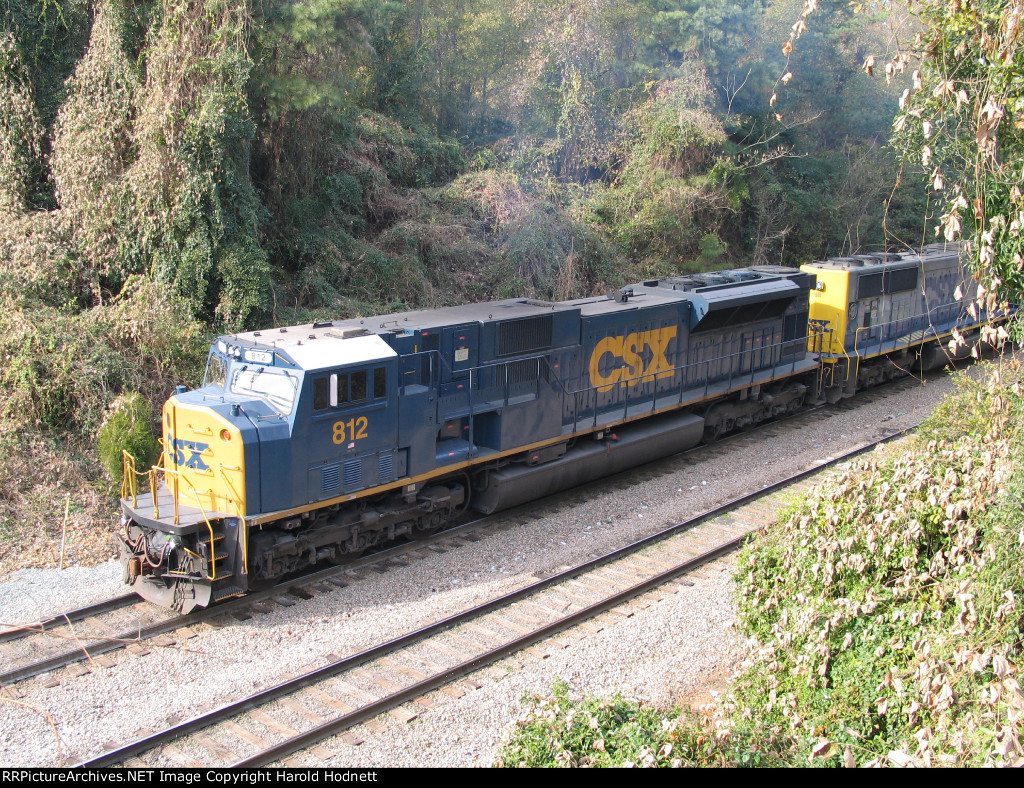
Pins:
x,y
884,612
558,731
887,606
129,427
674,187
63,370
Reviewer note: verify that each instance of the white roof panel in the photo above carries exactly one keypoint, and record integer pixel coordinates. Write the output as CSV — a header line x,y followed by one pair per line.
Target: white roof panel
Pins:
x,y
328,350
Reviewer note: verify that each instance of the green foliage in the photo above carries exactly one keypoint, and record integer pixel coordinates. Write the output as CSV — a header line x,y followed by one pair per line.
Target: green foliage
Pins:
x,y
533,247
962,128
674,188
409,157
20,132
885,604
93,146
309,52
39,264
821,176
194,211
716,31
50,36
561,732
352,277
45,38
128,427
62,370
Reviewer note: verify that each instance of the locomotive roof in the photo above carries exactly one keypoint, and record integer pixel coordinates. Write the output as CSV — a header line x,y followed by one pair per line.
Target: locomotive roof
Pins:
x,y
881,260
314,345
506,309
319,345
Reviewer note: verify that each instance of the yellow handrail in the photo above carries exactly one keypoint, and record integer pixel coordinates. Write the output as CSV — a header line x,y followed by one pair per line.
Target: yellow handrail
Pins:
x,y
234,493
170,474
129,489
129,486
209,528
241,515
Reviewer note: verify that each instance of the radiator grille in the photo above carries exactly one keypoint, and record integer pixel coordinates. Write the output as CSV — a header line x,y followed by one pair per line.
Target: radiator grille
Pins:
x,y
385,468
330,477
353,473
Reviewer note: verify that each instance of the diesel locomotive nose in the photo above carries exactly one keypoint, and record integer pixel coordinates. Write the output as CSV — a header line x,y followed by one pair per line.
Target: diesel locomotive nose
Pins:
x,y
179,546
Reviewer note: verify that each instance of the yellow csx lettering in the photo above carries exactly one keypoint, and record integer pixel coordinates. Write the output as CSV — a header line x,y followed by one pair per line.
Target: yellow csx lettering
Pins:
x,y
630,359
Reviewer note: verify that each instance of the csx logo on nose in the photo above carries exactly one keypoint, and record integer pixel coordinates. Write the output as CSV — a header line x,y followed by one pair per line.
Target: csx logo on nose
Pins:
x,y
626,359
178,449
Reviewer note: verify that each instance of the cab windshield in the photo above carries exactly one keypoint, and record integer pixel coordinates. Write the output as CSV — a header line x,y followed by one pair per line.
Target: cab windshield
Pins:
x,y
216,370
276,387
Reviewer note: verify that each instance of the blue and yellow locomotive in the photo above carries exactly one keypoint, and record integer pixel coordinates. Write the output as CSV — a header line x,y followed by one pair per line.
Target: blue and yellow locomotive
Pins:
x,y
312,443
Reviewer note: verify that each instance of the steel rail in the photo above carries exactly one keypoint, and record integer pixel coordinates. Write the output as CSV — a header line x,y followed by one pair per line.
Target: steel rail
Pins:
x,y
371,710
105,644
61,619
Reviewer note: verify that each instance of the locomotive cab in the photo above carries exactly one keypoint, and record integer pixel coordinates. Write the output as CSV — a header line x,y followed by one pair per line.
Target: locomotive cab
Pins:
x,y
198,527
886,313
183,544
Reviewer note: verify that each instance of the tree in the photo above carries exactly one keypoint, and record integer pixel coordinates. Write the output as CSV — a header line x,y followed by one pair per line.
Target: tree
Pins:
x,y
961,126
194,208
717,32
92,146
20,132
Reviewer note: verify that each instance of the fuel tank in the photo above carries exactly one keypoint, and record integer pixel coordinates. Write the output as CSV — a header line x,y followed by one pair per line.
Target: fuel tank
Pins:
x,y
621,448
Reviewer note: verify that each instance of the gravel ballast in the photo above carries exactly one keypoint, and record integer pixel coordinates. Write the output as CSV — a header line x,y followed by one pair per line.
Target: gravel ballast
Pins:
x,y
32,594
670,650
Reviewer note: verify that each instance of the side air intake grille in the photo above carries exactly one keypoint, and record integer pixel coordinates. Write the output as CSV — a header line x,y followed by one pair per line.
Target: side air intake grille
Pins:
x,y
525,335
385,468
330,476
352,473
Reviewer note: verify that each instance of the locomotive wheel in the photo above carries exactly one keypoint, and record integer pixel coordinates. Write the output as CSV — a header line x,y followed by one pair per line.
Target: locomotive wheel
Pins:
x,y
341,557
427,525
714,431
718,428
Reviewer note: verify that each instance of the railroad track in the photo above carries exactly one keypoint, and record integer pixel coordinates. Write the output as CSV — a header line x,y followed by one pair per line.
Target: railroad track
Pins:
x,y
69,617
398,676
128,622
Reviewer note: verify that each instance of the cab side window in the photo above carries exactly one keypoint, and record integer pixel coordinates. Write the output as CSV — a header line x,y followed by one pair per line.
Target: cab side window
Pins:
x,y
357,382
340,389
320,394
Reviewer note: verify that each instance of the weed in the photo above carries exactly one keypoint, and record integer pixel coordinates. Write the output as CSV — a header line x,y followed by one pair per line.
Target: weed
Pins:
x,y
558,731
